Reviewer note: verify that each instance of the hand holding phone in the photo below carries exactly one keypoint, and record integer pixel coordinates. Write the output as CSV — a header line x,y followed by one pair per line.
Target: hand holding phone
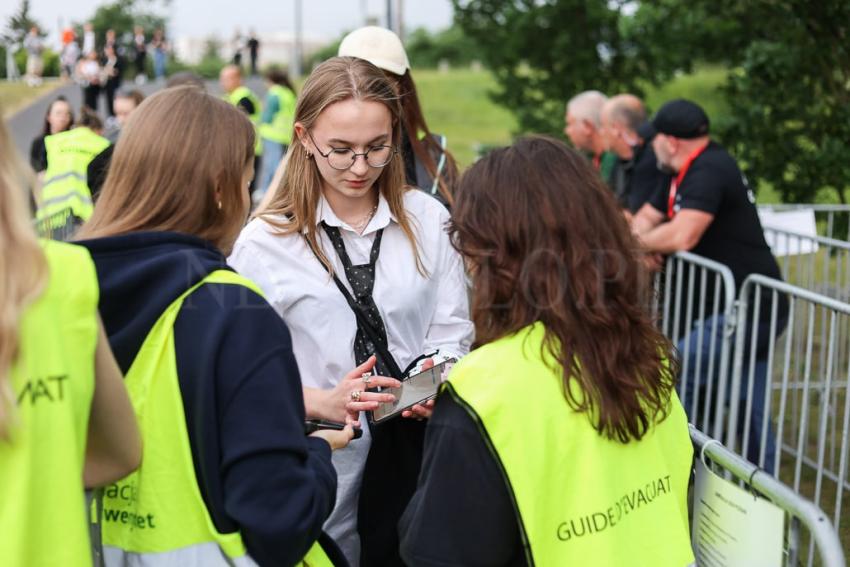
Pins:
x,y
338,435
416,390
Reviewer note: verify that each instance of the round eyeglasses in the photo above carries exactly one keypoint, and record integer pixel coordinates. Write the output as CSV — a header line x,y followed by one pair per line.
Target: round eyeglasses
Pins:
x,y
343,158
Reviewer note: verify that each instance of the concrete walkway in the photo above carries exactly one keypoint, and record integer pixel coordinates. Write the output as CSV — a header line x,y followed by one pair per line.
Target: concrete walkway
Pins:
x,y
26,124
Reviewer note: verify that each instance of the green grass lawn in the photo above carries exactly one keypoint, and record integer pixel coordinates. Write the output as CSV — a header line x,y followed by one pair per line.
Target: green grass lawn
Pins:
x,y
456,104
14,96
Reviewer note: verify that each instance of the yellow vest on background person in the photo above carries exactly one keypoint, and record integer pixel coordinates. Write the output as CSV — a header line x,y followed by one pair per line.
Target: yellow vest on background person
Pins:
x,y
238,94
156,515
580,498
42,510
65,183
280,128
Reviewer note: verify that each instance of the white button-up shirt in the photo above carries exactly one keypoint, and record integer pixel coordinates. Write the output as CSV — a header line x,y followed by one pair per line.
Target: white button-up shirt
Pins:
x,y
421,313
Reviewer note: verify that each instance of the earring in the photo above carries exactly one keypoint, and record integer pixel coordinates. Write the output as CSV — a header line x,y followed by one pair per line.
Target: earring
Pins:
x,y
308,154
219,205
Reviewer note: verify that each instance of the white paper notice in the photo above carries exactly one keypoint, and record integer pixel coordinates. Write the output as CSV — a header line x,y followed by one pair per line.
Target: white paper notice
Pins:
x,y
732,528
800,222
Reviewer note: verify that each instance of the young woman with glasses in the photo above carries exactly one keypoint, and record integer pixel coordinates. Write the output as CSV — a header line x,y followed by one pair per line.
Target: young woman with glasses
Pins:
x,y
342,208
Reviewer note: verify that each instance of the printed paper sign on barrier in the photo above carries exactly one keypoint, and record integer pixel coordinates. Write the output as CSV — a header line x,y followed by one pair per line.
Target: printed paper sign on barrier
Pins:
x,y
732,527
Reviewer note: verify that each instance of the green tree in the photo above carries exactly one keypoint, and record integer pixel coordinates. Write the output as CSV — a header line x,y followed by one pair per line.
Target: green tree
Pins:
x,y
426,49
543,53
19,24
788,90
123,15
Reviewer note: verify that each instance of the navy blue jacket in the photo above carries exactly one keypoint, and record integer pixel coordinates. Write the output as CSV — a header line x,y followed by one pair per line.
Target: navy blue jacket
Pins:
x,y
257,471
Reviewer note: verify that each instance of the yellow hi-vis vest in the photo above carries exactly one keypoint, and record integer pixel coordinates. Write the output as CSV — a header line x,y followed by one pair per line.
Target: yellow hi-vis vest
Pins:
x,y
280,128
579,498
65,183
156,515
238,94
43,511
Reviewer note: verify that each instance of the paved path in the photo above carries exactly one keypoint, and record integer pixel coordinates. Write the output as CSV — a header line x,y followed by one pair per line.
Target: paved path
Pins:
x,y
26,124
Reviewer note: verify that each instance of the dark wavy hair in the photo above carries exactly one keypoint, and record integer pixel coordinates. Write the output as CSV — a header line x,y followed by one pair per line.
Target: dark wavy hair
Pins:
x,y
546,242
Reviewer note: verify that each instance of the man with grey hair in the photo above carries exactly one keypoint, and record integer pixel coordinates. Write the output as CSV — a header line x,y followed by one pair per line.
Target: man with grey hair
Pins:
x,y
637,178
582,119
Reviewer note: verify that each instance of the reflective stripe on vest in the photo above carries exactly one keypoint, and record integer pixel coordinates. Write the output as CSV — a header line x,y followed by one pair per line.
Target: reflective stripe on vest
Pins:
x,y
238,94
157,516
43,515
279,130
65,182
580,498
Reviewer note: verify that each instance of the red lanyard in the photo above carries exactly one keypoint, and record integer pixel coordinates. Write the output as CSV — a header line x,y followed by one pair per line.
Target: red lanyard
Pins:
x,y
597,160
674,183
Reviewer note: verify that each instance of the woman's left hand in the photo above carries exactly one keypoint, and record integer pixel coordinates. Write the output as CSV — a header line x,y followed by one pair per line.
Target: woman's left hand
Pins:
x,y
419,411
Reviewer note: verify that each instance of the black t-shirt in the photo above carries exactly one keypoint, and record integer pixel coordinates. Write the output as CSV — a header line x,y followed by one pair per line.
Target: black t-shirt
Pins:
x,y
38,154
714,184
246,106
461,514
646,180
97,170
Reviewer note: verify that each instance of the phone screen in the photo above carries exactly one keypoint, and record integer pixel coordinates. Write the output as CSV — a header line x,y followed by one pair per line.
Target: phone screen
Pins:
x,y
416,389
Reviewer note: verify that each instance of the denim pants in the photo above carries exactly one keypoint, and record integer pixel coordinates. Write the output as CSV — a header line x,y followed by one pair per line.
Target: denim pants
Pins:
x,y
159,63
272,154
714,326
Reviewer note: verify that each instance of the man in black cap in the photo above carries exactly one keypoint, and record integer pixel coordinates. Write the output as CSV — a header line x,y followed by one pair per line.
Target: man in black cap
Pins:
x,y
709,210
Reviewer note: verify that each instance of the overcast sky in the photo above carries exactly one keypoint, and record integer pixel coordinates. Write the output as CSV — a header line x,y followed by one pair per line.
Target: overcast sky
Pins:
x,y
201,18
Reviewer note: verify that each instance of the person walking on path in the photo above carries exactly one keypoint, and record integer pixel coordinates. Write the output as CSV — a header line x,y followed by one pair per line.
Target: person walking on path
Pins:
x,y
70,53
65,181
91,79
111,72
275,124
89,39
243,98
253,51
59,118
35,64
160,54
140,55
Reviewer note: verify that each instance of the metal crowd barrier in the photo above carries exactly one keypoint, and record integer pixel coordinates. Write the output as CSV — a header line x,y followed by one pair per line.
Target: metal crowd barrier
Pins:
x,y
805,521
833,221
805,395
813,262
695,289
58,226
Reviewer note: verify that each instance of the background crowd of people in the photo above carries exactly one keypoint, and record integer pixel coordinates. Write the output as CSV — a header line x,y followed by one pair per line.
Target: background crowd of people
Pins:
x,y
366,254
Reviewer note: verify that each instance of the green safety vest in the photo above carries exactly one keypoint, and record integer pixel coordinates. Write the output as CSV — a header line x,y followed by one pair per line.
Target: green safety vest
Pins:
x,y
65,182
280,128
238,94
156,515
579,498
43,512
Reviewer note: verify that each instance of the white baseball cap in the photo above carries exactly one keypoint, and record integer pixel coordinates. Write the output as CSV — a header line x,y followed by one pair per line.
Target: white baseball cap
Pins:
x,y
379,46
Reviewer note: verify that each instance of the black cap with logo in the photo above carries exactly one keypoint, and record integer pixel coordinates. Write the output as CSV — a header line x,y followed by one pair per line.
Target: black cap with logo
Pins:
x,y
679,118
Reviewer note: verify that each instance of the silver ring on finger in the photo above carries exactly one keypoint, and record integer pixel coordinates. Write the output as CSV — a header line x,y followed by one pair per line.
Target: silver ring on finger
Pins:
x,y
367,377
355,395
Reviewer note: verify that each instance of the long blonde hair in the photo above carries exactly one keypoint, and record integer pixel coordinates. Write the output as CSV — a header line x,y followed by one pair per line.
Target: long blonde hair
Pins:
x,y
297,196
178,166
23,268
